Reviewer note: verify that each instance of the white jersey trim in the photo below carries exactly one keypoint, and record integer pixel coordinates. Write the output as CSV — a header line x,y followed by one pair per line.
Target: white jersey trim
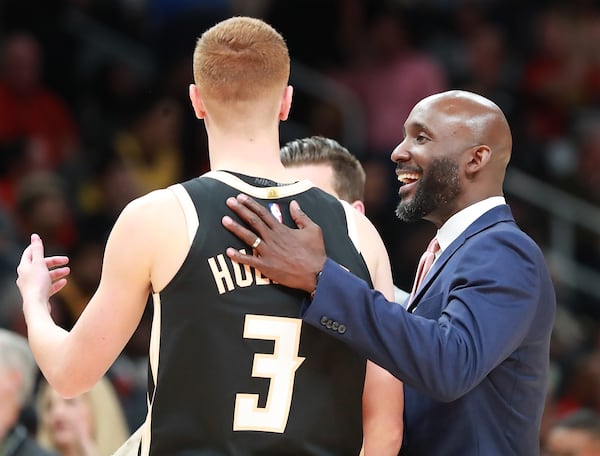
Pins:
x,y
154,351
351,224
189,210
260,192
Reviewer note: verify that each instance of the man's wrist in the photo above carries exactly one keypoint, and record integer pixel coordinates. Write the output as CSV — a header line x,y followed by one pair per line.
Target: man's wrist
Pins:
x,y
317,277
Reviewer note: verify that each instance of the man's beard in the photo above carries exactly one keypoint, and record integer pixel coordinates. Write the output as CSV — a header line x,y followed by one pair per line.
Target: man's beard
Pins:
x,y
437,187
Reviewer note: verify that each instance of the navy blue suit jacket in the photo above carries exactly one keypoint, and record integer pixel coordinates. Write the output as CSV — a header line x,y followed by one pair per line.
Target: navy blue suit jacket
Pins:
x,y
474,355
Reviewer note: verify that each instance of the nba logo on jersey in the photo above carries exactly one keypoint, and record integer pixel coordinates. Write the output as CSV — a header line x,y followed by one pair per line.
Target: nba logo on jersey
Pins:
x,y
276,211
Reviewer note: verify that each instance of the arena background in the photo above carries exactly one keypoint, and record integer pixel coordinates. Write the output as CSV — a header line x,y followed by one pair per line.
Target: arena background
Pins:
x,y
104,117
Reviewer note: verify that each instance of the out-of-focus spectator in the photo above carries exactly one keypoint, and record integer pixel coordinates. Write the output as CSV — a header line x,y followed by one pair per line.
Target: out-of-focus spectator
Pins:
x,y
481,46
31,111
106,97
106,192
575,168
491,70
582,386
43,207
18,374
390,75
149,147
554,75
92,424
85,260
586,181
578,434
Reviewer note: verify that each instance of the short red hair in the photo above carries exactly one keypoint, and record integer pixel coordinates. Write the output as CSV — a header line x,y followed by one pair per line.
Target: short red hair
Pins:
x,y
240,59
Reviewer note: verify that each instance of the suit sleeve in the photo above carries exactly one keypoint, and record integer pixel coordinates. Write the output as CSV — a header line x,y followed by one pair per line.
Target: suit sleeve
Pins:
x,y
488,304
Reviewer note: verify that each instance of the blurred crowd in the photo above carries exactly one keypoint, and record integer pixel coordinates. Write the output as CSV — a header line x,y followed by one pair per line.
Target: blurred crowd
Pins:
x,y
94,112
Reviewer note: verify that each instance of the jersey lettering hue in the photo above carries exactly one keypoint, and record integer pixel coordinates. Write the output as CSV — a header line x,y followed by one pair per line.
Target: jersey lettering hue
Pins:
x,y
280,367
243,275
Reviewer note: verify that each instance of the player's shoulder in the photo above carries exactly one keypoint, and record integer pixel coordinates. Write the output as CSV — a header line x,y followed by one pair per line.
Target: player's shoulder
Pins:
x,y
155,204
147,218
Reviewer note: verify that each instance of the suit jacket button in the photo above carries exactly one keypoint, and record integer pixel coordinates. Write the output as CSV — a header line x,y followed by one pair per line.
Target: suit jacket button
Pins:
x,y
342,329
335,326
324,320
329,324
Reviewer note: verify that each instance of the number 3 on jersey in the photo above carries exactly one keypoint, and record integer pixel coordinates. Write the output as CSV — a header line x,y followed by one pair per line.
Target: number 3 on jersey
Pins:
x,y
280,367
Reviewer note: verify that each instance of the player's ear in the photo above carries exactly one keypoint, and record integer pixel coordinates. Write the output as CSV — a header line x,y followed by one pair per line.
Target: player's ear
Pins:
x,y
286,103
359,206
197,103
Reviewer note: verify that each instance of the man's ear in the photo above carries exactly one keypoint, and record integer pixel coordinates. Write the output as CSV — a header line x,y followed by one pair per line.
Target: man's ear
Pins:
x,y
286,103
359,206
479,156
197,103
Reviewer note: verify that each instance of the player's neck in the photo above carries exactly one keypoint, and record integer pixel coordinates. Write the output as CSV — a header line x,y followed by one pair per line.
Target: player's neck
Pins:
x,y
266,167
253,156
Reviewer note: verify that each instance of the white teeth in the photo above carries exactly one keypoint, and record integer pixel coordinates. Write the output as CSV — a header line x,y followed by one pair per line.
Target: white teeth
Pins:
x,y
407,177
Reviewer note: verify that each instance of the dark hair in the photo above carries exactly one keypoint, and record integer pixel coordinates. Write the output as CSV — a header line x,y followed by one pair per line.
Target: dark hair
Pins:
x,y
348,172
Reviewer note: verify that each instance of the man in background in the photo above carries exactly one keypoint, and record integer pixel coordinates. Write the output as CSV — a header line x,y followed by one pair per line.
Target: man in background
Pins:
x,y
331,167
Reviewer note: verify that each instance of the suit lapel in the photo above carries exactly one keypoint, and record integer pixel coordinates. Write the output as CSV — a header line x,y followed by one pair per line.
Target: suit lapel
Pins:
x,y
490,218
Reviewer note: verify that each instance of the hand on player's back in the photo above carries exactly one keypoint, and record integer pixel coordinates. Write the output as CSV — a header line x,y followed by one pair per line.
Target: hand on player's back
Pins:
x,y
291,257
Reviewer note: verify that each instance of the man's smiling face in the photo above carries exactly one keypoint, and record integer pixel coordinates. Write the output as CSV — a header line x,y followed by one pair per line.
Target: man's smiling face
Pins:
x,y
427,164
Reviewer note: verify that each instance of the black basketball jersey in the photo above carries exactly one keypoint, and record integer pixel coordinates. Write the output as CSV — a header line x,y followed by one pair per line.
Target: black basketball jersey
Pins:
x,y
234,371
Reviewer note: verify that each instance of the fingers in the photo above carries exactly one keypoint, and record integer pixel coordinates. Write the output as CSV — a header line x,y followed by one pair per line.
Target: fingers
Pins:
x,y
56,261
25,257
256,215
57,286
244,234
243,258
37,248
59,273
33,257
34,251
52,262
300,218
258,209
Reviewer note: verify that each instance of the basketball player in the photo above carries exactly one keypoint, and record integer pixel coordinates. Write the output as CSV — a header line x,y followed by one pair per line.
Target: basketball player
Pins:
x,y
233,371
331,167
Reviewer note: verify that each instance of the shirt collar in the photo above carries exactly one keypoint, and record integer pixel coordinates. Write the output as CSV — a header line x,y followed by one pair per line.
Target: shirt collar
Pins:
x,y
459,222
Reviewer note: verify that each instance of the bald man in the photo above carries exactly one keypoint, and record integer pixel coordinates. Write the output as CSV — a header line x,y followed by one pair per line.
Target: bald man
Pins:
x,y
472,347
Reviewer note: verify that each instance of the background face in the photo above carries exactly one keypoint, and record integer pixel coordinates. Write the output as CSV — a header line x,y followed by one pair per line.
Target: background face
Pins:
x,y
69,421
571,442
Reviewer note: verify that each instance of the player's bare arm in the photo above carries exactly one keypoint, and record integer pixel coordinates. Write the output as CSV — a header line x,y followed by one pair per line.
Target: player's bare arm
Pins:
x,y
74,361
